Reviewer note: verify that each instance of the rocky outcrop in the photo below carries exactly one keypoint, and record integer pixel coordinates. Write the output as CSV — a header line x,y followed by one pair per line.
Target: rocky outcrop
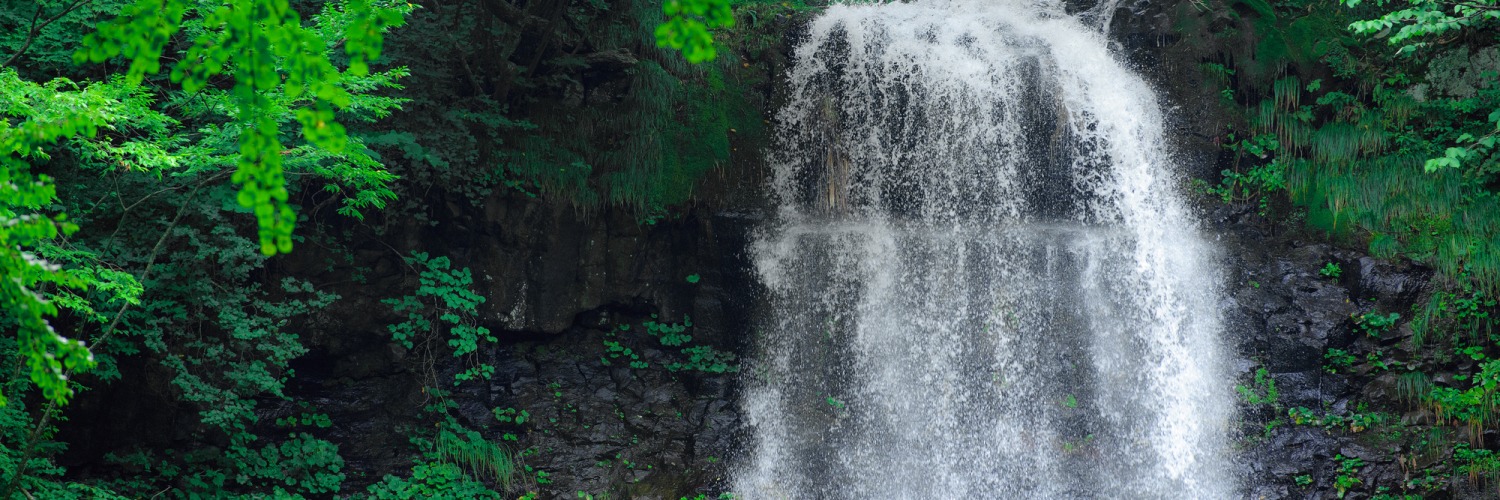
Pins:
x,y
1285,314
561,287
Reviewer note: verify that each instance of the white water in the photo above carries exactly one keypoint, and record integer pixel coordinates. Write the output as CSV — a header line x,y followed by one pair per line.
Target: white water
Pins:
x,y
982,283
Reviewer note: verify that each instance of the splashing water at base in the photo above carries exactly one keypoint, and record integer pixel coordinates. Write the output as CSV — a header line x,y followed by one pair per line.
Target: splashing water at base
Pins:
x,y
981,281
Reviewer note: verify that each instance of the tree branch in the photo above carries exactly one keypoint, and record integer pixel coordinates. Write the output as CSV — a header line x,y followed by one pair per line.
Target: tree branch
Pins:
x,y
52,407
37,29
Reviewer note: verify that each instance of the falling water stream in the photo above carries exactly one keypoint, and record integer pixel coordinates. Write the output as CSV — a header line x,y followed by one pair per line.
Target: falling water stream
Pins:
x,y
982,283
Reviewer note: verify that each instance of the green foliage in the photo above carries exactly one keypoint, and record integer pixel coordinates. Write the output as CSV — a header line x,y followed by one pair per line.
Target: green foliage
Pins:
x,y
180,287
456,462
220,335
1476,463
1347,478
511,416
1331,270
542,477
218,331
27,445
435,480
1474,407
1262,391
477,456
269,52
114,126
301,464
1338,359
670,335
703,359
226,382
1374,324
317,420
1412,386
49,112
706,359
1258,183
687,25
1463,312
249,360
444,303
704,496
1356,421
1262,396
1426,20
1395,151
616,351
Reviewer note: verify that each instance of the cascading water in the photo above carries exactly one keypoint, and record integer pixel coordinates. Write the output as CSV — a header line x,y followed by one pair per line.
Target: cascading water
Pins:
x,y
982,284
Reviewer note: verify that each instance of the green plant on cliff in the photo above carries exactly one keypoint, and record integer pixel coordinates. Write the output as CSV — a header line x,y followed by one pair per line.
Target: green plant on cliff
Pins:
x,y
1347,477
1258,183
1355,421
669,334
1477,463
705,359
1338,360
477,456
1380,147
1474,407
1465,312
455,462
1262,391
1264,178
1373,324
442,310
690,358
435,480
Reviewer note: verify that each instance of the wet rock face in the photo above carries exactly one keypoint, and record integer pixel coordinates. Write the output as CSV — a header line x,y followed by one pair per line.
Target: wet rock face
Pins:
x,y
569,299
623,431
1145,35
1285,315
559,285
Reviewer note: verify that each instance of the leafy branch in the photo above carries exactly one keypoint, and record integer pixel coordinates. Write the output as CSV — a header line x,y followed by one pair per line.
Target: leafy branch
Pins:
x,y
687,25
1425,18
263,44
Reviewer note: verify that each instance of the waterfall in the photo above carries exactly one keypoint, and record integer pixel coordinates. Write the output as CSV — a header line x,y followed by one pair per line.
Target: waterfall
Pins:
x,y
982,283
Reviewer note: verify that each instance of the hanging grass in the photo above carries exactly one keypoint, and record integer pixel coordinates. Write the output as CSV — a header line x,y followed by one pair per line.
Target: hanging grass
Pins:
x,y
479,458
